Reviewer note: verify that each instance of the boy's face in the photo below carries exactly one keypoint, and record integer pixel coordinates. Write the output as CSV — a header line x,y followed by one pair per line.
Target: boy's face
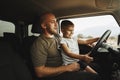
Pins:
x,y
68,32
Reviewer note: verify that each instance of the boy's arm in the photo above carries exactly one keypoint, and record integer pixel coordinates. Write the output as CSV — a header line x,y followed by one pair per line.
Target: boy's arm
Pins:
x,y
89,41
68,52
74,55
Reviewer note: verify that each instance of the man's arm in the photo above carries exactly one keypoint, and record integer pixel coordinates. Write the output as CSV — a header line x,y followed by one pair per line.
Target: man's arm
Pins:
x,y
44,71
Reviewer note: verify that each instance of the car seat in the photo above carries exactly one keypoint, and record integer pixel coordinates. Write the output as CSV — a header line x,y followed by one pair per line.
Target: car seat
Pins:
x,y
12,67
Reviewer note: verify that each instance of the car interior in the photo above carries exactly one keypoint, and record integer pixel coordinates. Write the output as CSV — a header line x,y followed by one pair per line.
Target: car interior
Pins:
x,y
16,42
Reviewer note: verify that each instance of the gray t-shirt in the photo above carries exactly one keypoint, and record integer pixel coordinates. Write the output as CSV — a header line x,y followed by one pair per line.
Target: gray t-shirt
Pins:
x,y
73,46
45,52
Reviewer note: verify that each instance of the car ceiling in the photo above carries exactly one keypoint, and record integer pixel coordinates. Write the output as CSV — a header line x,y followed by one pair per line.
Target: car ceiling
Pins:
x,y
26,10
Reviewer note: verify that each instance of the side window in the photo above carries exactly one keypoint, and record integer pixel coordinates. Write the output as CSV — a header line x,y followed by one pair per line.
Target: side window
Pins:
x,y
95,26
6,27
30,33
29,30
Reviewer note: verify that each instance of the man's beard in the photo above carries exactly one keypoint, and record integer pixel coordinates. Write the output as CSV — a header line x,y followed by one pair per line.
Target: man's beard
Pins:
x,y
51,31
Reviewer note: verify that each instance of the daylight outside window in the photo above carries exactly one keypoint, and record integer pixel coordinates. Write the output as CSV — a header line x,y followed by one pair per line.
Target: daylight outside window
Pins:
x,y
6,27
30,33
95,26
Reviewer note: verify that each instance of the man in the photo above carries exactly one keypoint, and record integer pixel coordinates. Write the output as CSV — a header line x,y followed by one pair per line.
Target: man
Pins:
x,y
47,59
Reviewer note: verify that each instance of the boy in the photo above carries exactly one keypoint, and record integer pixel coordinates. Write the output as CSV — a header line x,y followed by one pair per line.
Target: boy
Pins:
x,y
70,49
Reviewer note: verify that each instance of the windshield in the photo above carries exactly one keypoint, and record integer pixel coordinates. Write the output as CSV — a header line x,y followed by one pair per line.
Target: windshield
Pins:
x,y
95,26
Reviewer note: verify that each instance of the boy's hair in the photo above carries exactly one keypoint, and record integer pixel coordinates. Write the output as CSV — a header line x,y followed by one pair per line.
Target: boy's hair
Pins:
x,y
66,23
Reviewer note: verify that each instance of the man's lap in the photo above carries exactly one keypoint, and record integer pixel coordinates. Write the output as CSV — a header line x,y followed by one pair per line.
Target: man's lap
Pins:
x,y
78,75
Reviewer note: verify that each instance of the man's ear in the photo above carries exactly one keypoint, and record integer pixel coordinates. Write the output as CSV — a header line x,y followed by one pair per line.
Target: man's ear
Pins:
x,y
43,26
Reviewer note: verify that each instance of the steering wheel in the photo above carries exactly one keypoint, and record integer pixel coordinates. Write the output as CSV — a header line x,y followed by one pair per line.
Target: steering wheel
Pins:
x,y
103,38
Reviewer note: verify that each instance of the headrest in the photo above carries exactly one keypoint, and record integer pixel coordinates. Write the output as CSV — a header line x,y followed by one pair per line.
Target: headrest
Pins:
x,y
36,29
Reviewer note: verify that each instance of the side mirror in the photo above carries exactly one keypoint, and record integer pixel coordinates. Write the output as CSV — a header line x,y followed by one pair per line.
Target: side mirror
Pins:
x,y
119,39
